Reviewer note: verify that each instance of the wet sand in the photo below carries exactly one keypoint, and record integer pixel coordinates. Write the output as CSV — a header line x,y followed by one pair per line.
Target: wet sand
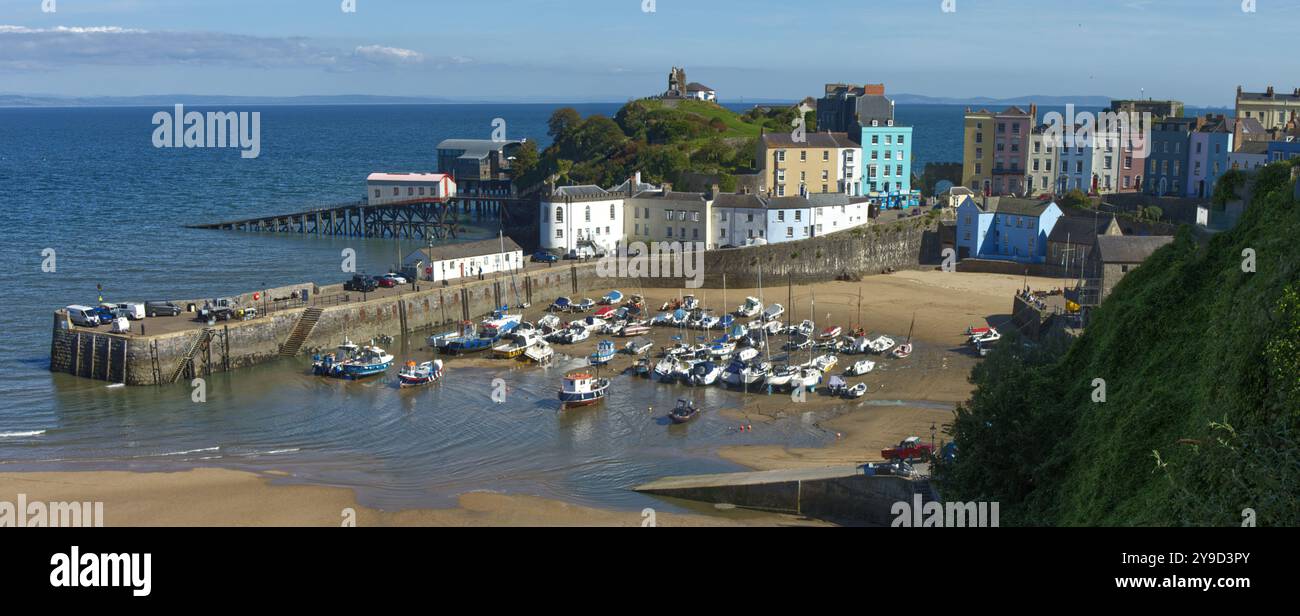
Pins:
x,y
906,397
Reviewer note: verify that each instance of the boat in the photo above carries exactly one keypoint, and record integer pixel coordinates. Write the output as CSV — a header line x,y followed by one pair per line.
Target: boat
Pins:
x,y
605,312
573,334
773,312
684,412
904,350
500,324
991,336
832,332
861,367
422,374
582,389
705,373
642,367
837,386
634,329
353,362
881,344
468,341
562,304
549,323
522,340
824,363
733,375
709,322
978,331
689,302
751,308
666,370
639,345
584,305
806,327
809,379
857,391
613,297
540,352
756,373
721,351
604,352
781,376
439,341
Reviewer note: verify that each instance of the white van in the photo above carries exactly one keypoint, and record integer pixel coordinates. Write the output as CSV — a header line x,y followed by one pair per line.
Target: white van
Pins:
x,y
83,316
135,312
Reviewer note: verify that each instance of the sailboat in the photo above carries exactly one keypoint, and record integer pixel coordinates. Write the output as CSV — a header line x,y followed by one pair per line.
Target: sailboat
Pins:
x,y
903,351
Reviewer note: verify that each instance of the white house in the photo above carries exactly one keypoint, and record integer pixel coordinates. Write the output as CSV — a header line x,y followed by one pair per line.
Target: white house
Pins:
x,y
382,188
581,217
741,220
701,92
465,259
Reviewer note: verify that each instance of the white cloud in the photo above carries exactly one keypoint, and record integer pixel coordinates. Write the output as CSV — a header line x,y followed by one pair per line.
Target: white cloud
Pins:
x,y
48,49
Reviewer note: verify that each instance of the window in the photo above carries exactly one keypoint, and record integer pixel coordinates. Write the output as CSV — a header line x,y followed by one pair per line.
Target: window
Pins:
x,y
397,191
670,231
587,214
611,211
826,155
901,139
695,217
780,156
875,140
376,193
780,216
789,231
559,214
410,191
803,155
798,214
559,233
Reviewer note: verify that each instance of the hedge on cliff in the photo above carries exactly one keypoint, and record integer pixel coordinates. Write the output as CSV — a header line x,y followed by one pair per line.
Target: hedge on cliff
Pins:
x,y
1201,418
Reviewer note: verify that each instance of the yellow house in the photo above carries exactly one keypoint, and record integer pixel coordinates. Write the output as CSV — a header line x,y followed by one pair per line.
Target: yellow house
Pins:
x,y
819,163
1270,107
977,154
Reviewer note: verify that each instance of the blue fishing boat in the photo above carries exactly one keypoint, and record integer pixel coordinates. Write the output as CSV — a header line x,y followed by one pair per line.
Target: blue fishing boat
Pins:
x,y
604,352
581,390
469,340
353,362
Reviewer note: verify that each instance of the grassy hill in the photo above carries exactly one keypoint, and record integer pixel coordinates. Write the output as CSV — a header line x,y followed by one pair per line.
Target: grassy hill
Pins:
x,y
662,139
1201,418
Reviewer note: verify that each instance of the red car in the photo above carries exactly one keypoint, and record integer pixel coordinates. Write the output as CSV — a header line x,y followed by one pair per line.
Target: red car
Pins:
x,y
910,449
385,282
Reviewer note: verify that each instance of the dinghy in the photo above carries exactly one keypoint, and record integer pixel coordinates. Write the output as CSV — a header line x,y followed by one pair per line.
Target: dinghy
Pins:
x,y
415,375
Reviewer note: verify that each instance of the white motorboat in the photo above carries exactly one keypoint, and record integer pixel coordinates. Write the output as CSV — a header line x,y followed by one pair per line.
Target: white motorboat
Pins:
x,y
705,373
861,367
881,344
781,376
751,308
857,391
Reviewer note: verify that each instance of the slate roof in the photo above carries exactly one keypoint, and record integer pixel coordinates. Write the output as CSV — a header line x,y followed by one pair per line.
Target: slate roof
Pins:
x,y
465,250
586,192
1079,229
814,140
1129,248
476,149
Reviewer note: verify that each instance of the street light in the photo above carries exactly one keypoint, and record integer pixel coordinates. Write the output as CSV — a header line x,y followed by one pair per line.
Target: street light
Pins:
x,y
933,430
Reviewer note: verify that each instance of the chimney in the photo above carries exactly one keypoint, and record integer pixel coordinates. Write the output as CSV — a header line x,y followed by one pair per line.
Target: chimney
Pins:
x,y
637,178
874,89
714,190
1033,113
668,187
1269,92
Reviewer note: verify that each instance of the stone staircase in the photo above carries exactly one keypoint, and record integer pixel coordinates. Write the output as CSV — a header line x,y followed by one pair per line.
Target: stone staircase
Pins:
x,y
306,323
199,344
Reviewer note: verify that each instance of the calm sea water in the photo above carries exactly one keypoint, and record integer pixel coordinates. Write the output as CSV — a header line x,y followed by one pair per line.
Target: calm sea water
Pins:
x,y
88,184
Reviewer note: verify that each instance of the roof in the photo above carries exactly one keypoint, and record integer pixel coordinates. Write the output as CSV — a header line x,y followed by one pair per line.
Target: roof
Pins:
x,y
634,187
739,201
794,202
814,140
1265,96
585,192
875,107
476,148
1253,147
1079,229
669,195
1129,248
1011,205
407,177
698,87
464,250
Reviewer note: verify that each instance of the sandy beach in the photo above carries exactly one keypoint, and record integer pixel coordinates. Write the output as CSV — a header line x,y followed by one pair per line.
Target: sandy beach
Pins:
x,y
906,397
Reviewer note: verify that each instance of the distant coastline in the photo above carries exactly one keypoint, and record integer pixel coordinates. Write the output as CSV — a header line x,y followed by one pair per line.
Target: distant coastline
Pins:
x,y
155,100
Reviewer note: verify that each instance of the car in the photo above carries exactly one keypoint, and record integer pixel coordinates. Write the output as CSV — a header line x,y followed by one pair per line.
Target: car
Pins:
x,y
105,313
542,256
362,283
161,309
385,282
910,449
83,316
396,277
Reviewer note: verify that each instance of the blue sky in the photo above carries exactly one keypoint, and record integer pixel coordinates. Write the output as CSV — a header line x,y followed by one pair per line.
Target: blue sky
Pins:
x,y
578,50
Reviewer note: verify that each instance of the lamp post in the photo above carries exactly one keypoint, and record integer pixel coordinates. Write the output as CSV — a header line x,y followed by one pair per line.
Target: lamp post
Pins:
x,y
933,430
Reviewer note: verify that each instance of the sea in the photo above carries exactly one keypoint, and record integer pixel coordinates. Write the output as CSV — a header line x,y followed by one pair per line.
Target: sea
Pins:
x,y
91,209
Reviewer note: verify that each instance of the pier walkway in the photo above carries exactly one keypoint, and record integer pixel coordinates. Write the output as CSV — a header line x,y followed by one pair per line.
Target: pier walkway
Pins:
x,y
425,218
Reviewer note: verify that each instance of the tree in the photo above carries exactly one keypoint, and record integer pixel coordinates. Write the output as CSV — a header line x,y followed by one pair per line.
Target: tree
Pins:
x,y
526,160
1075,198
562,121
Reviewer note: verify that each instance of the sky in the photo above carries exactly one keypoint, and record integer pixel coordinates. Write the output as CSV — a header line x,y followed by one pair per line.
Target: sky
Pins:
x,y
1197,51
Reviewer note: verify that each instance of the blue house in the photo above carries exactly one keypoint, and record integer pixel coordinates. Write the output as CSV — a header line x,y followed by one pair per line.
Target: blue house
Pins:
x,y
886,151
1005,228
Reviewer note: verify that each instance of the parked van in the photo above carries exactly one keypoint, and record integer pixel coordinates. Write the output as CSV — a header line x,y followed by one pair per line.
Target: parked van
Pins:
x,y
134,312
83,316
161,309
